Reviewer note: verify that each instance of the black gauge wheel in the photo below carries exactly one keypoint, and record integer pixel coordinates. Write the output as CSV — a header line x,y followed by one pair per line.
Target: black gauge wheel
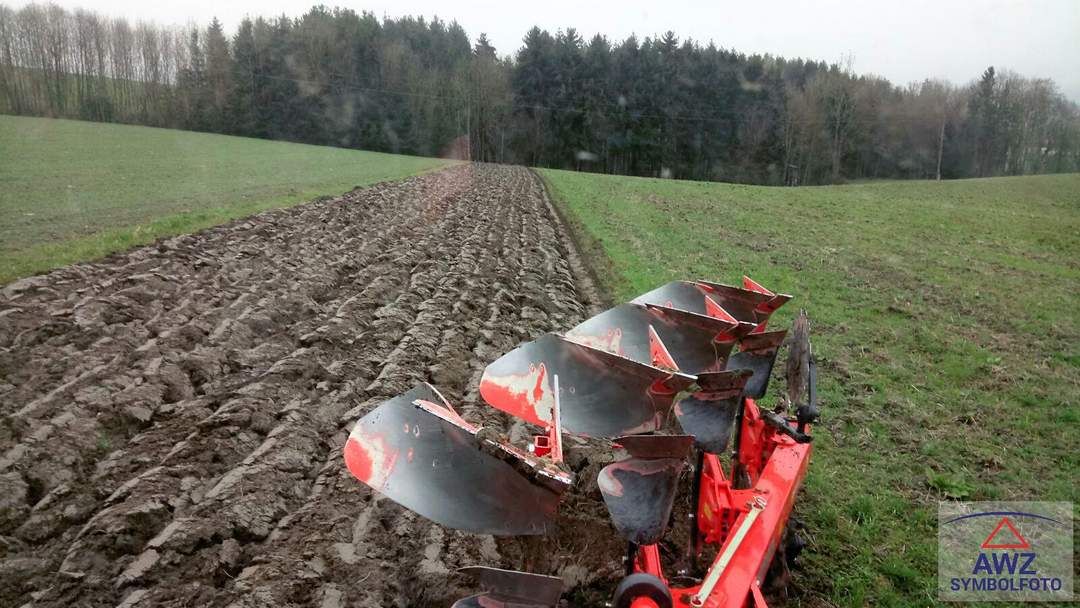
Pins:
x,y
638,585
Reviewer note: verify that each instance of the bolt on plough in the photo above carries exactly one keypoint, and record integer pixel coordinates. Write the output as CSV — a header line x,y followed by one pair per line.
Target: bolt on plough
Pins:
x,y
695,348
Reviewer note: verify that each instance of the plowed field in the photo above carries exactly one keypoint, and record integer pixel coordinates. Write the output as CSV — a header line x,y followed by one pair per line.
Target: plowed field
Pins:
x,y
174,416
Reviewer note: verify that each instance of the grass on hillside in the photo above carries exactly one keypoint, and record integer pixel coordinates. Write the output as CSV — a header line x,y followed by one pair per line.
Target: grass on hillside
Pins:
x,y
946,326
73,191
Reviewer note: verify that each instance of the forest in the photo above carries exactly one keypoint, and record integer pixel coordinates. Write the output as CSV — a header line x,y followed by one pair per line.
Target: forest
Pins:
x,y
652,106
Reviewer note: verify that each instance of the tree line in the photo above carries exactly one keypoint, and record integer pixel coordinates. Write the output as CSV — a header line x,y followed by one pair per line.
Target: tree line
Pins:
x,y
654,106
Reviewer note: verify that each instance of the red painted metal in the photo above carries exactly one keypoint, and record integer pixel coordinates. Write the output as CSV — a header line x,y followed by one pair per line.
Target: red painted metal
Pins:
x,y
659,353
779,483
542,445
750,303
370,463
648,560
759,599
769,464
777,300
524,396
604,395
753,285
447,413
550,444
776,465
717,311
742,512
414,449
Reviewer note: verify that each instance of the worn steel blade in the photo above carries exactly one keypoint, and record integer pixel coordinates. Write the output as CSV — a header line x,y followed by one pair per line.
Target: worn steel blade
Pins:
x,y
656,446
640,492
709,413
417,451
696,298
601,394
480,600
743,304
683,332
511,589
622,330
494,600
758,354
696,342
778,299
473,601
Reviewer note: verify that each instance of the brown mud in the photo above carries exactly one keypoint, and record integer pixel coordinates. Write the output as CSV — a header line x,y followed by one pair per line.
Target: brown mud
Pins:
x,y
173,417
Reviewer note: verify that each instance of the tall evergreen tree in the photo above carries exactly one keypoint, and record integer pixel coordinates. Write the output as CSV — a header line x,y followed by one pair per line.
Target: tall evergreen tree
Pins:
x,y
658,106
218,76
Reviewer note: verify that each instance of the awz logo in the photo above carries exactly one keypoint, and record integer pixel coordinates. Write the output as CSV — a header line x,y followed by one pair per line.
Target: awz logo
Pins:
x,y
1005,572
1006,564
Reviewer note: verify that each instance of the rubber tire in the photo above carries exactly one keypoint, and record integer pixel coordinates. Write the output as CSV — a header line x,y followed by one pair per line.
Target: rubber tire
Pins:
x,y
641,584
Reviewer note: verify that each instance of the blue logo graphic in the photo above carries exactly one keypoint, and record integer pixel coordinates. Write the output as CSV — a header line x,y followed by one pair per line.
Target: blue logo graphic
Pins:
x,y
1019,553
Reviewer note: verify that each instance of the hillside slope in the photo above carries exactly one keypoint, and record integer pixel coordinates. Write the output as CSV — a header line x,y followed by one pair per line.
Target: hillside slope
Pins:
x,y
73,191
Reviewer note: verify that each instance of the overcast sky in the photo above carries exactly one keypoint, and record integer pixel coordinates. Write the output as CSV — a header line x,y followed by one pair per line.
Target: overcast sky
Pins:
x,y
903,40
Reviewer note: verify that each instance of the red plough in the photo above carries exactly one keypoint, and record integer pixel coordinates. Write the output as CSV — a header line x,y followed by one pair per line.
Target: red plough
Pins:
x,y
698,348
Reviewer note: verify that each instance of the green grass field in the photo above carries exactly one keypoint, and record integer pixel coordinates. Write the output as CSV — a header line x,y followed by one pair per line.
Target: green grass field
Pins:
x,y
945,316
73,191
946,327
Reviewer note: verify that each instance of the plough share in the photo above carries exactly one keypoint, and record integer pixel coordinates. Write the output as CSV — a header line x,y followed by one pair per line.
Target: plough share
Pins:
x,y
697,348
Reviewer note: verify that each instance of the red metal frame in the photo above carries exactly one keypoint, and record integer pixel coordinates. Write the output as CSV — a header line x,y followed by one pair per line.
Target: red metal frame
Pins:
x,y
550,443
776,465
